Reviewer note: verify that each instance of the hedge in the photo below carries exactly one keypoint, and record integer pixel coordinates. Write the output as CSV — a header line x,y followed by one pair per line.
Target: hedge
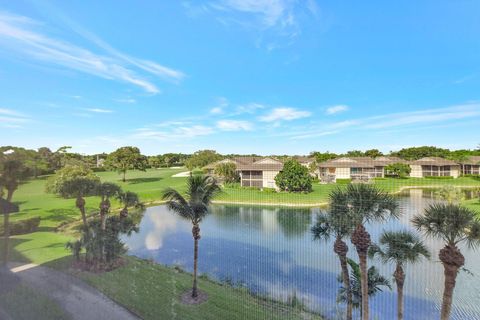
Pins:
x,y
23,226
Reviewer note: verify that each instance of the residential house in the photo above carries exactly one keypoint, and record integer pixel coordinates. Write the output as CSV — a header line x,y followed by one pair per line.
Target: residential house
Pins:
x,y
355,168
434,167
257,172
470,165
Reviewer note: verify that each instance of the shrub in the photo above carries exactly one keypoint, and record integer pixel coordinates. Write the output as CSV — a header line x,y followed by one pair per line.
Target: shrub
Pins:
x,y
23,226
294,178
227,171
398,170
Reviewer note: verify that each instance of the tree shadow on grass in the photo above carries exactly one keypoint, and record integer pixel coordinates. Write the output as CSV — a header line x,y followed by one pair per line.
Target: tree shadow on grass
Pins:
x,y
63,215
143,180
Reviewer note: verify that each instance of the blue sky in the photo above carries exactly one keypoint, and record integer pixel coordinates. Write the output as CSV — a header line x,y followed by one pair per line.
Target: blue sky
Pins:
x,y
239,76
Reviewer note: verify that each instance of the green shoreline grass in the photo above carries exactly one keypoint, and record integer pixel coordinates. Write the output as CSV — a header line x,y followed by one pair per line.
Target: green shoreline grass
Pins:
x,y
48,244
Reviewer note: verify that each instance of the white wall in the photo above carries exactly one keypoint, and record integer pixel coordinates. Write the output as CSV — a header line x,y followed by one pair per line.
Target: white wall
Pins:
x,y
342,173
269,179
416,171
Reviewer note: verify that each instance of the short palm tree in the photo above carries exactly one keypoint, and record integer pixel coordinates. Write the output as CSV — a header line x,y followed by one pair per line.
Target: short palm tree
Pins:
x,y
128,199
453,224
106,190
337,224
194,207
365,203
375,283
399,247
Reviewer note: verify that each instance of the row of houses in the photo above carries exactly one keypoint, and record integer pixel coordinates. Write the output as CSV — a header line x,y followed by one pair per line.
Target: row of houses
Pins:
x,y
261,171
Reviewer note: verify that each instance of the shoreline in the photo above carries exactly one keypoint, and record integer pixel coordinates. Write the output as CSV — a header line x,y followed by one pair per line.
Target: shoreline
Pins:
x,y
301,205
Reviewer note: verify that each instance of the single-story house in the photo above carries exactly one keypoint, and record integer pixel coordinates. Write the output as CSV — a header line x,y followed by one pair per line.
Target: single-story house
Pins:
x,y
257,172
355,168
471,165
434,167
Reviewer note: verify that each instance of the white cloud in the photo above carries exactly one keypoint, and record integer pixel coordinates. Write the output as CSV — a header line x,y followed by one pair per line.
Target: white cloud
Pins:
x,y
284,113
220,108
234,125
173,132
17,34
12,119
249,108
127,100
336,109
98,110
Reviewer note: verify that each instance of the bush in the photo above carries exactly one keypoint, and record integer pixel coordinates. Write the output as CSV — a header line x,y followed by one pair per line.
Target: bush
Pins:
x,y
269,190
343,181
23,226
294,178
398,170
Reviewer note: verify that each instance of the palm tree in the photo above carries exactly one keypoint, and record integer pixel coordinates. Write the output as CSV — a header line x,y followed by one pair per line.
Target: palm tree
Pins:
x,y
365,203
453,224
399,247
375,283
79,188
106,190
194,207
13,171
337,224
128,199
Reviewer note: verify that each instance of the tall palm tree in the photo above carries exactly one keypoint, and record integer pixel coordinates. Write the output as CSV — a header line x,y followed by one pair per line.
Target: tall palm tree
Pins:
x,y
128,199
375,283
194,207
337,224
453,224
79,188
365,203
400,247
106,190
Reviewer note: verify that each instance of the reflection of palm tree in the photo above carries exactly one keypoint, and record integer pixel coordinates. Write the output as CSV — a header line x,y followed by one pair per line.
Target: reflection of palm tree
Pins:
x,y
375,283
364,203
400,247
200,191
337,224
453,224
294,222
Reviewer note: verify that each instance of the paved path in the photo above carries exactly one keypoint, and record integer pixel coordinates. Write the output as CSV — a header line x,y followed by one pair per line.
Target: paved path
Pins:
x,y
78,299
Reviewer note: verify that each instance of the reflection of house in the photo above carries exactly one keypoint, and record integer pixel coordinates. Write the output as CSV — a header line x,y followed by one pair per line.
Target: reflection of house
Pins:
x,y
434,167
470,165
253,171
355,168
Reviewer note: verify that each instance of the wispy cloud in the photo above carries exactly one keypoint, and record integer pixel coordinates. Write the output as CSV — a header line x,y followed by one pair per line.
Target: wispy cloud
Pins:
x,y
173,132
12,119
249,108
20,34
127,100
98,110
336,109
285,113
234,125
277,17
221,105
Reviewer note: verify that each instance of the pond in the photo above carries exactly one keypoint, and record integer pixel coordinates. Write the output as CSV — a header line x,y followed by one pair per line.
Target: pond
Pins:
x,y
270,250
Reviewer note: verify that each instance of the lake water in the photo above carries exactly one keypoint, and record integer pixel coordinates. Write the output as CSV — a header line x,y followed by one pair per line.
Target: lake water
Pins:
x,y
270,250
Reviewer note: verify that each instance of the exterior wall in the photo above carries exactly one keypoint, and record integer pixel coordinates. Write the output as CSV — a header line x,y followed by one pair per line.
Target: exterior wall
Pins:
x,y
269,179
416,171
342,173
455,171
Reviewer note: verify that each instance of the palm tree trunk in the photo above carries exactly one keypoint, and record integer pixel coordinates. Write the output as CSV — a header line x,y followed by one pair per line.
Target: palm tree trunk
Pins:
x,y
364,285
399,276
341,249
346,283
196,237
124,174
80,203
10,194
6,240
452,260
361,240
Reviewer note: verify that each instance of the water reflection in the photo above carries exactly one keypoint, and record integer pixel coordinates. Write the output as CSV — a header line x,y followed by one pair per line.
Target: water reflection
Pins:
x,y
271,251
